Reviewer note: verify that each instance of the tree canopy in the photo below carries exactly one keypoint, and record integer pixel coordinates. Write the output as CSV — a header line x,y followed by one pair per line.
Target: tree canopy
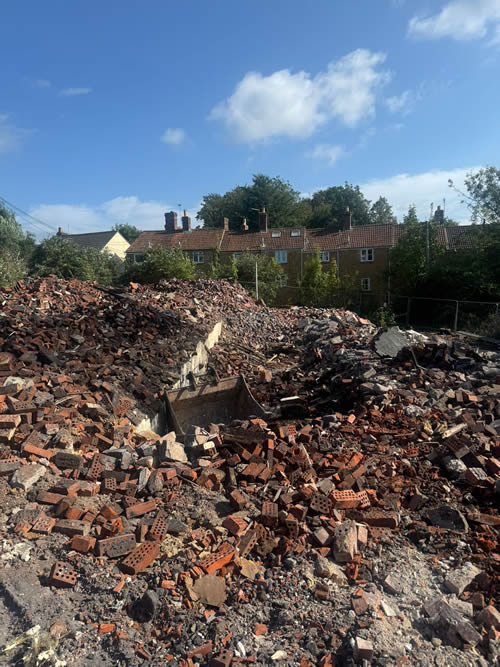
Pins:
x,y
129,232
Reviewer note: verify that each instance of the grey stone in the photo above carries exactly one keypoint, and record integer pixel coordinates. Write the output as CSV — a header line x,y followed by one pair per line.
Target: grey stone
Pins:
x,y
458,580
25,477
391,342
448,517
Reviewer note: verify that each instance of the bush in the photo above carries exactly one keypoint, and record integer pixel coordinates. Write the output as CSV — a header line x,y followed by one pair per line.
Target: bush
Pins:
x,y
319,287
160,263
269,275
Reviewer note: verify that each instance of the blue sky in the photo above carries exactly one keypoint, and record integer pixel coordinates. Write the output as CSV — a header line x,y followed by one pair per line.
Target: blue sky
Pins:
x,y
117,111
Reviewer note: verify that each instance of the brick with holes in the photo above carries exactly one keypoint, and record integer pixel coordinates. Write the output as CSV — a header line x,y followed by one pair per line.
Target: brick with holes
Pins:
x,y
115,547
269,513
62,575
345,500
158,530
140,558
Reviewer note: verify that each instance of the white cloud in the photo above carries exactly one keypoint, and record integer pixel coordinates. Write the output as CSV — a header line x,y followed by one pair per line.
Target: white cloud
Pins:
x,y
326,152
11,137
400,103
174,136
81,218
458,19
422,189
42,83
73,92
296,104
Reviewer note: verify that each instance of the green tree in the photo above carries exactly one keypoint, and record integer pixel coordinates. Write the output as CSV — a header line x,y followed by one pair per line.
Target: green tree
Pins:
x,y
381,213
269,275
161,263
223,270
282,203
339,197
16,247
63,258
408,262
319,286
129,232
483,194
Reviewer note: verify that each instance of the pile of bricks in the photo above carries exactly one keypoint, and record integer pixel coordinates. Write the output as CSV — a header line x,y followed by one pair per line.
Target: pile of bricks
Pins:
x,y
358,449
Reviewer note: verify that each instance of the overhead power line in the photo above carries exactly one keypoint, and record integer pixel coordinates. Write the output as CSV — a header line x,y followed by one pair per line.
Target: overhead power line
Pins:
x,y
31,218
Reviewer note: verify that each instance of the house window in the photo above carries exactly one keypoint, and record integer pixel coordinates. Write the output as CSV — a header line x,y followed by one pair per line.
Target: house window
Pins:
x,y
236,256
365,284
325,256
138,259
283,280
198,257
275,235
367,254
281,256
296,232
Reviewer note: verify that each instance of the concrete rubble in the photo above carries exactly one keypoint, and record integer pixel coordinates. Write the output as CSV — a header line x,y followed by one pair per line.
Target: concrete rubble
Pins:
x,y
355,523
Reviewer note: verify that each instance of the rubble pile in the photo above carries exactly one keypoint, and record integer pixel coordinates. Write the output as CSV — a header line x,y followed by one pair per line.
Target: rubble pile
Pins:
x,y
356,522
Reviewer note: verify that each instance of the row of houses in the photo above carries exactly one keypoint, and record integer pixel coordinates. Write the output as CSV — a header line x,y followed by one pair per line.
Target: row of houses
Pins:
x,y
360,252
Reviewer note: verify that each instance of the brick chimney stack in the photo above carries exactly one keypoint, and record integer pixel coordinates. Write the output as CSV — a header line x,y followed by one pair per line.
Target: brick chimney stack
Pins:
x,y
225,224
263,220
439,215
186,222
60,232
347,220
244,225
171,222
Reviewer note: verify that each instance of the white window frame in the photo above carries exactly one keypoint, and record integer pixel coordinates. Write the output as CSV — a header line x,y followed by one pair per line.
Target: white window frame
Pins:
x,y
275,235
295,232
198,257
325,256
281,256
366,285
367,254
138,258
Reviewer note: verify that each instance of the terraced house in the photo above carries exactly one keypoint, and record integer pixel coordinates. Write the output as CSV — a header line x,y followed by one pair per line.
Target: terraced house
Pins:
x,y
361,253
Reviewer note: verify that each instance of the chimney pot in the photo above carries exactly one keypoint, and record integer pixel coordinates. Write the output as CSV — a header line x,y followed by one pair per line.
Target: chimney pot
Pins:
x,y
225,224
186,222
244,225
171,222
263,220
347,220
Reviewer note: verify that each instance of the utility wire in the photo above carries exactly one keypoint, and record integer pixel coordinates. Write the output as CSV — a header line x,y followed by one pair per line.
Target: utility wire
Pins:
x,y
35,221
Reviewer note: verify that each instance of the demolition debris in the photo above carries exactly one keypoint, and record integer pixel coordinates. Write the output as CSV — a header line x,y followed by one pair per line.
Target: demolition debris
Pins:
x,y
351,518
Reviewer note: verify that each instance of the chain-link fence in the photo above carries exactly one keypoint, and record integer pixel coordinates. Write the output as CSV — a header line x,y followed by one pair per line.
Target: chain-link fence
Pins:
x,y
480,317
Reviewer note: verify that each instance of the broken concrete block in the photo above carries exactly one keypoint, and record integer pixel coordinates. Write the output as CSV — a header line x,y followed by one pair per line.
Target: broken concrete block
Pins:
x,y
25,477
328,570
458,580
448,517
211,590
389,343
346,542
363,649
489,617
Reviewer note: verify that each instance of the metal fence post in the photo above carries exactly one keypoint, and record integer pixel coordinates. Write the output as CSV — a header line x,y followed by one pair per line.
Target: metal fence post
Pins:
x,y
455,323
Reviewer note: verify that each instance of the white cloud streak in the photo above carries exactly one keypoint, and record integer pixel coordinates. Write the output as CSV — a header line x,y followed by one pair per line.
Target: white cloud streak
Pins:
x,y
81,218
11,137
296,105
174,136
327,153
400,103
459,19
42,83
75,92
422,189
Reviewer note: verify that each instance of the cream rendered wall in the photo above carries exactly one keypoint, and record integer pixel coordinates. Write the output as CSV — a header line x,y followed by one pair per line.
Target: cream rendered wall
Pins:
x,y
118,245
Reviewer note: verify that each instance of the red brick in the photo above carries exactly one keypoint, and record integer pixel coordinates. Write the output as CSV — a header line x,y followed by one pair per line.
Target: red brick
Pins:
x,y
62,575
140,558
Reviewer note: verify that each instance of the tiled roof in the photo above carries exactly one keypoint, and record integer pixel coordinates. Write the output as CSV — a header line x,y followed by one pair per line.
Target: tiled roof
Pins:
x,y
367,236
92,240
246,241
196,239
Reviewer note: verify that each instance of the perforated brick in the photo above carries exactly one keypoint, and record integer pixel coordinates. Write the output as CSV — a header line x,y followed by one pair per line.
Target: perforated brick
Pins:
x,y
96,469
269,514
158,530
216,561
62,575
108,485
44,525
321,504
140,558
345,500
247,542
